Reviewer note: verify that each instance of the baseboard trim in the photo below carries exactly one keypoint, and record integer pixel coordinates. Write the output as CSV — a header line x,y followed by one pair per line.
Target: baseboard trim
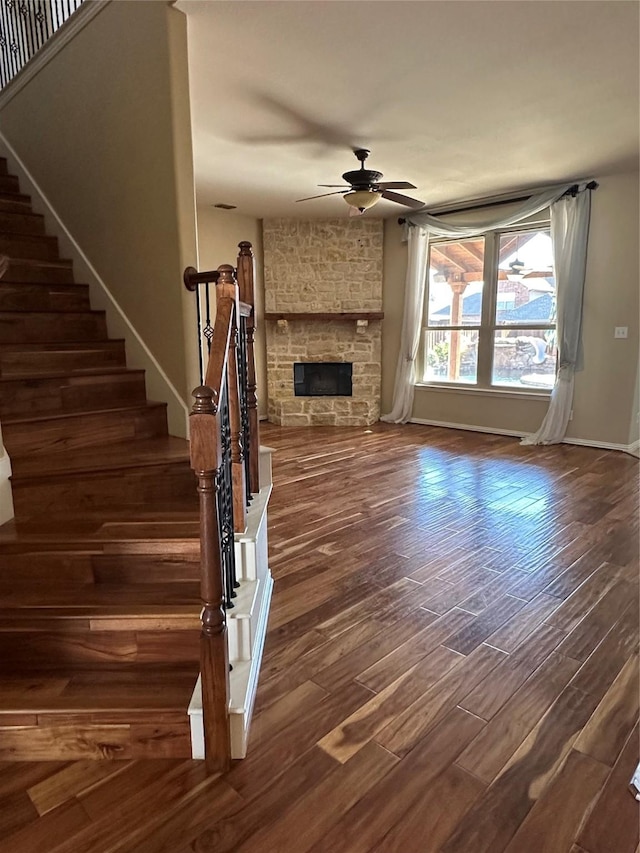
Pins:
x,y
466,427
634,448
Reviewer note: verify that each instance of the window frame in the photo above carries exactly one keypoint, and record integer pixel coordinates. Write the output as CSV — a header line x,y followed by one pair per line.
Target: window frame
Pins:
x,y
487,327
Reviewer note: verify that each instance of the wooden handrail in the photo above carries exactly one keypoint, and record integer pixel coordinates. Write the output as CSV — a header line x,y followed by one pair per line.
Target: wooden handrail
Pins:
x,y
192,278
221,435
220,341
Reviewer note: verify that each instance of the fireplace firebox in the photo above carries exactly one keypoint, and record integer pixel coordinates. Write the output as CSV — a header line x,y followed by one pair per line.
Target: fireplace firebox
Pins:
x,y
322,379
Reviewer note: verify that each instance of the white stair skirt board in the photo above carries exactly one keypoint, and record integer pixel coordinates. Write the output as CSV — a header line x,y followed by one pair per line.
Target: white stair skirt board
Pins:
x,y
242,620
243,680
246,622
251,546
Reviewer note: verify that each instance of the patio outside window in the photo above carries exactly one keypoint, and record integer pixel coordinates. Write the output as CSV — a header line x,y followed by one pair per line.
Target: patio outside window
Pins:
x,y
490,312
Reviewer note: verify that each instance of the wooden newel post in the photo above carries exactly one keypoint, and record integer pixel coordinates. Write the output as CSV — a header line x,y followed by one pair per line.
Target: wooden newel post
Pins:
x,y
206,459
245,285
226,287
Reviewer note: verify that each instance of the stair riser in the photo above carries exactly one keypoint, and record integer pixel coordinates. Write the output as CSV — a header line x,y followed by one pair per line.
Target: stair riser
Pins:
x,y
51,297
130,568
10,203
36,248
36,568
164,486
3,166
16,327
24,651
110,354
64,568
21,223
85,430
39,273
70,394
9,183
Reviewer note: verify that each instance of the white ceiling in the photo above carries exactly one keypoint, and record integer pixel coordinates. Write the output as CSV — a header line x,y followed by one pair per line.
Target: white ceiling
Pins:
x,y
463,99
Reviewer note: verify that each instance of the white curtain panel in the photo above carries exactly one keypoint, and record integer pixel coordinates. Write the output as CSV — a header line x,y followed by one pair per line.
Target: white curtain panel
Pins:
x,y
569,233
420,227
415,286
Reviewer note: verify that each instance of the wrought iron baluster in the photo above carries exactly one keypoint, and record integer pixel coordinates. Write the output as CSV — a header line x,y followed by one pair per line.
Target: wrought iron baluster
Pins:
x,y
25,25
199,326
21,38
40,16
208,328
5,74
10,49
31,34
244,408
225,502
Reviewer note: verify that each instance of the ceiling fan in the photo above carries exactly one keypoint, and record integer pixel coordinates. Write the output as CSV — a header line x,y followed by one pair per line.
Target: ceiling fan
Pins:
x,y
365,188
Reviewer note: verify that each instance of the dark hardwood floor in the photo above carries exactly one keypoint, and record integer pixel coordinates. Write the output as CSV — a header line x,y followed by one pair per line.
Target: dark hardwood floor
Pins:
x,y
451,665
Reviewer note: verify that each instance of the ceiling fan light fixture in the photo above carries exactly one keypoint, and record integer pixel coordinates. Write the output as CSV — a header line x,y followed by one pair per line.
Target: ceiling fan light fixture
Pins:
x,y
362,199
516,270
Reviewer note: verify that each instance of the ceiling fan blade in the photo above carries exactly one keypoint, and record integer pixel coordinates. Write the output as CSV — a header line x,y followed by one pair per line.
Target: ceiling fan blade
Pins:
x,y
335,185
323,195
402,199
395,185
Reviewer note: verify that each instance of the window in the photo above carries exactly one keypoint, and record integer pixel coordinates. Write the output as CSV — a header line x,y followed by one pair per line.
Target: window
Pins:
x,y
490,312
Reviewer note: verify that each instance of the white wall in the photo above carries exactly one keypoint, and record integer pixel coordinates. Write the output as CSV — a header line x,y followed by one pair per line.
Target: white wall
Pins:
x,y
104,130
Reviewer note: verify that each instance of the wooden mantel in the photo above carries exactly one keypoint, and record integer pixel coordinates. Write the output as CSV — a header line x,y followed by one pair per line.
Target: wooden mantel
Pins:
x,y
325,315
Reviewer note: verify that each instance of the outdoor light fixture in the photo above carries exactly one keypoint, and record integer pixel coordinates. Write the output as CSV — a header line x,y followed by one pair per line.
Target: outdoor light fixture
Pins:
x,y
362,199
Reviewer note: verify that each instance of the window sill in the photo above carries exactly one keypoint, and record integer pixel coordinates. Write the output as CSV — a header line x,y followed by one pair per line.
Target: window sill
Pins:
x,y
542,394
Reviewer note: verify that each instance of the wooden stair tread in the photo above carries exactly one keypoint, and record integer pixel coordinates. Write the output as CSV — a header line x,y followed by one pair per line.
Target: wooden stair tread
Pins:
x,y
49,313
39,262
107,370
149,404
59,346
80,533
45,285
179,598
101,689
9,195
52,310
131,454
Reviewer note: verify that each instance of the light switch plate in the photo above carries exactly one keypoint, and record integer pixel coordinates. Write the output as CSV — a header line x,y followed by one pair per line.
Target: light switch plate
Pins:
x,y
620,331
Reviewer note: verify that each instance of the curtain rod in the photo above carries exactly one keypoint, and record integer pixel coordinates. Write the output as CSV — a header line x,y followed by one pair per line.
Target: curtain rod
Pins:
x,y
573,190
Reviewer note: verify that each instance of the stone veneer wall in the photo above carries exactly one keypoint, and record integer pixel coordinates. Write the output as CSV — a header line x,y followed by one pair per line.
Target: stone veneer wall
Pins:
x,y
320,266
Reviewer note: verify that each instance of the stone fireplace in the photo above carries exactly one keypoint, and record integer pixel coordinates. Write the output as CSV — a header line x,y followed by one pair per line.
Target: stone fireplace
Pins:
x,y
323,303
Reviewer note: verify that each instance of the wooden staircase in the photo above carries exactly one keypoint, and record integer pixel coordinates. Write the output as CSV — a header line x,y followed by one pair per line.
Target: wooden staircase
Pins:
x,y
99,571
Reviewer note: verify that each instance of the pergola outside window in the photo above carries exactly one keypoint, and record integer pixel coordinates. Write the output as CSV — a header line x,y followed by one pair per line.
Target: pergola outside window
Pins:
x,y
490,312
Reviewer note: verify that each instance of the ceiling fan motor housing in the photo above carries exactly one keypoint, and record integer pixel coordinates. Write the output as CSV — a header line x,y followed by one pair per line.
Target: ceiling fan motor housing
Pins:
x,y
362,179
